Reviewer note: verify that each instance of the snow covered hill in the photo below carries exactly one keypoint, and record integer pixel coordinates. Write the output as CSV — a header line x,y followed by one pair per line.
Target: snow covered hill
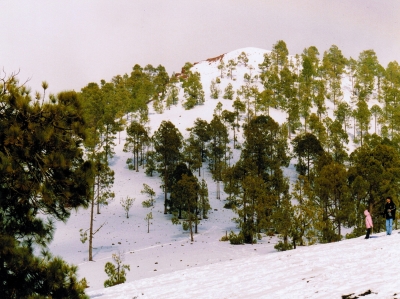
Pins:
x,y
165,264
346,269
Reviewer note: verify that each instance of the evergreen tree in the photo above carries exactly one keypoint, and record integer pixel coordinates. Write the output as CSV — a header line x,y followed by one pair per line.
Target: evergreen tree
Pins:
x,y
376,111
318,128
177,203
135,141
239,106
279,55
42,173
333,195
217,146
172,96
150,193
363,117
306,147
243,59
222,67
192,152
214,89
231,66
117,272
366,70
264,66
306,213
391,96
333,66
201,131
230,118
167,143
127,204
187,189
251,207
204,204
193,90
337,140
229,93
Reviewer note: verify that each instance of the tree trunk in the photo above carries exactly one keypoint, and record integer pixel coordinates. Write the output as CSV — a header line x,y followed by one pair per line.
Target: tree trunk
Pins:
x,y
91,230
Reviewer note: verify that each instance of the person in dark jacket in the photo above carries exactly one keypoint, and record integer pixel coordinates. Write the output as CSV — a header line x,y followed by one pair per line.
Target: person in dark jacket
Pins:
x,y
389,213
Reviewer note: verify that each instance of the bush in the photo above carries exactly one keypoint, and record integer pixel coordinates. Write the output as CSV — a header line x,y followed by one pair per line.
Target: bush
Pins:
x,y
116,273
236,239
281,246
358,231
225,238
229,205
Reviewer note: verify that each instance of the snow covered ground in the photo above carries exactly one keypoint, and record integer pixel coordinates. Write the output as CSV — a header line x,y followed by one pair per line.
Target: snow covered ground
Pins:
x,y
352,267
165,264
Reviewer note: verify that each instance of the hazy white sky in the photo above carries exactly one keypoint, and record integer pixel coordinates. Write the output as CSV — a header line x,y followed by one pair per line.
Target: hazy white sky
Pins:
x,y
71,43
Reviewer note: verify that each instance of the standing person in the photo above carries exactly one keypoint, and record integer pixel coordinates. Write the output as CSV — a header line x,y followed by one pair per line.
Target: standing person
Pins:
x,y
368,223
390,212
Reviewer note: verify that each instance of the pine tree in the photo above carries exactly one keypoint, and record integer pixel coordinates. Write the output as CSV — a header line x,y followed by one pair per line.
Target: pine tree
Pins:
x,y
229,93
231,66
172,96
127,204
222,67
333,195
150,193
333,66
279,55
167,143
193,90
204,204
42,173
306,147
366,71
214,89
201,130
117,272
187,189
242,58
135,141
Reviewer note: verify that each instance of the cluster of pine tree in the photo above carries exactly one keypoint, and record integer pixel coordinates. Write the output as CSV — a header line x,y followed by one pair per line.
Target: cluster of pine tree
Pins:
x,y
333,186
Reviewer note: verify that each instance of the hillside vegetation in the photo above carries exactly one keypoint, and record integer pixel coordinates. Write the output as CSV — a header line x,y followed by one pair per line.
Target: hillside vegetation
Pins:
x,y
295,146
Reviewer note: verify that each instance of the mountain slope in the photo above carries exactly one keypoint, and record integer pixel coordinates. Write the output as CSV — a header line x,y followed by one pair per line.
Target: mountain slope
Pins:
x,y
356,267
155,257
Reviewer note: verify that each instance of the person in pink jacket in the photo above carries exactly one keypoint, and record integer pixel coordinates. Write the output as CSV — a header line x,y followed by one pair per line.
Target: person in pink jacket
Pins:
x,y
368,223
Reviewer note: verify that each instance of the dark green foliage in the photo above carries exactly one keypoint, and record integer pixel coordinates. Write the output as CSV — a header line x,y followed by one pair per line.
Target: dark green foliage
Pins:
x,y
374,174
236,239
135,141
307,149
193,89
256,182
41,171
229,92
279,55
187,191
333,195
167,144
116,273
217,146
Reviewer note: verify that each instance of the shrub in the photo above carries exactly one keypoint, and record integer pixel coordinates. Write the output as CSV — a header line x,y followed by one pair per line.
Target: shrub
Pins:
x,y
281,246
116,273
236,239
